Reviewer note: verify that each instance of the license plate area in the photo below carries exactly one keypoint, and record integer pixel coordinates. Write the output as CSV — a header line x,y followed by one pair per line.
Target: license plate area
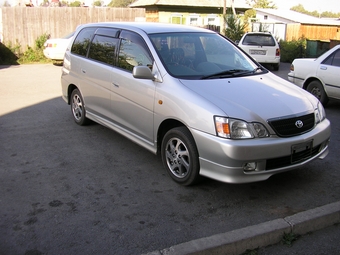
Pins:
x,y
257,52
301,151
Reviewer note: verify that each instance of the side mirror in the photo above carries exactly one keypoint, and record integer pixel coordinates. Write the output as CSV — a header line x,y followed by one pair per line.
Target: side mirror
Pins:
x,y
237,42
142,72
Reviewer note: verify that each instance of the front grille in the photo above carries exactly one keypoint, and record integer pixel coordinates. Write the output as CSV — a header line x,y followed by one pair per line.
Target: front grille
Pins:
x,y
292,159
288,127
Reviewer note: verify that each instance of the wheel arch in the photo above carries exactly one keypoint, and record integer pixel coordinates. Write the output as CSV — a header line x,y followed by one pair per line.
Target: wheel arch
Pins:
x,y
70,88
164,127
309,80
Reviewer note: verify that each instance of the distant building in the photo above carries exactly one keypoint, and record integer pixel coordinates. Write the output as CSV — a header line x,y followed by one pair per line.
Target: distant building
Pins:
x,y
289,25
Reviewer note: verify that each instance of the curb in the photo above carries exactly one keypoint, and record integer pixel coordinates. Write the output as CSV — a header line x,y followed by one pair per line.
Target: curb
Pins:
x,y
238,241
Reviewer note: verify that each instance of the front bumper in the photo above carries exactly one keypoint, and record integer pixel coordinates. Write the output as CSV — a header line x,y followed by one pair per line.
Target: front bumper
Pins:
x,y
225,160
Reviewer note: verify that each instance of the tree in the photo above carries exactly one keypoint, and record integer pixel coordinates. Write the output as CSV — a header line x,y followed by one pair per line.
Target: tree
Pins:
x,y
120,3
97,3
299,8
75,4
7,4
235,29
266,4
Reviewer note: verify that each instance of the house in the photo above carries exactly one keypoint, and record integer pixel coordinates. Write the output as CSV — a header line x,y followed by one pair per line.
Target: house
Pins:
x,y
289,25
203,13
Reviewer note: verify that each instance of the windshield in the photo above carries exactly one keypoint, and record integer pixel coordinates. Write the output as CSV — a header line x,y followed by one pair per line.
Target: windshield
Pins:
x,y
201,56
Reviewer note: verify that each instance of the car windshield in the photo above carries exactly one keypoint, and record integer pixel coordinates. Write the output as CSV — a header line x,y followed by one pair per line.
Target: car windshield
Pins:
x,y
202,56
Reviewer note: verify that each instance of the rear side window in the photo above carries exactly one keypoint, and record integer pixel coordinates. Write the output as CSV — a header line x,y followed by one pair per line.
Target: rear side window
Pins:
x,y
259,39
103,49
333,59
133,51
82,41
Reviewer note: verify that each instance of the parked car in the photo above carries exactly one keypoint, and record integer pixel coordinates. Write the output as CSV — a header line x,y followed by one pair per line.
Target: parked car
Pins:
x,y
263,47
318,76
55,48
190,95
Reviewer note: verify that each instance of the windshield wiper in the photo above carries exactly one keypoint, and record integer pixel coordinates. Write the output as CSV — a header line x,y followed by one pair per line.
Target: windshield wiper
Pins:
x,y
229,73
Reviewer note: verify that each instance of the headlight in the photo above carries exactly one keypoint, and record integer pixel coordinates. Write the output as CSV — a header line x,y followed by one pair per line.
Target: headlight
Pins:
x,y
320,113
239,129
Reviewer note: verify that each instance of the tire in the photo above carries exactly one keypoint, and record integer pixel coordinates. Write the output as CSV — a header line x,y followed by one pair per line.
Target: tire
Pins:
x,y
276,67
78,108
316,89
180,156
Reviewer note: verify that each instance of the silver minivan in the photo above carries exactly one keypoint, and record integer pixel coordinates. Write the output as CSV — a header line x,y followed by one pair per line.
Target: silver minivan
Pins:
x,y
191,96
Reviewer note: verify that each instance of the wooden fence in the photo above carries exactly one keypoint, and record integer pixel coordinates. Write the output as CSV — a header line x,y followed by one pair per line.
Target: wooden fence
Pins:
x,y
23,25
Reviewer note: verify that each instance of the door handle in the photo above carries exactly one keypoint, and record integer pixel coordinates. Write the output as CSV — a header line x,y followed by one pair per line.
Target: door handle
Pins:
x,y
83,71
115,84
323,67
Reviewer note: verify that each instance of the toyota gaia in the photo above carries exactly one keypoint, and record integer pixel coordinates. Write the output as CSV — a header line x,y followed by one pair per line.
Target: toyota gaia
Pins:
x,y
191,96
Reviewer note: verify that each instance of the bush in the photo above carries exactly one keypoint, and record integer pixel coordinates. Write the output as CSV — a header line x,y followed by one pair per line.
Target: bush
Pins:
x,y
36,54
292,49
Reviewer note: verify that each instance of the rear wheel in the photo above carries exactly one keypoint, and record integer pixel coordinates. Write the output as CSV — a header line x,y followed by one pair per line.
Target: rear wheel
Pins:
x,y
316,89
78,109
180,156
276,67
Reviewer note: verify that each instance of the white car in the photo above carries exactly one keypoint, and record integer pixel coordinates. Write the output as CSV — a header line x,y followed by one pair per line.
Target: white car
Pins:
x,y
263,47
319,76
55,48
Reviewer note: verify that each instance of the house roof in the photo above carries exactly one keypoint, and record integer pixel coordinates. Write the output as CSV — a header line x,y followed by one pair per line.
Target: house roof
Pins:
x,y
196,3
296,17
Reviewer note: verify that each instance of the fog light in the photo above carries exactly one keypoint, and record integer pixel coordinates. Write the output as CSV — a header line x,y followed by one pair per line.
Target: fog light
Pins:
x,y
250,166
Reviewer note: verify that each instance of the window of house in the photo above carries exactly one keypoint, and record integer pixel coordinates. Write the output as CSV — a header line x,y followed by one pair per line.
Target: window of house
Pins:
x,y
194,20
176,18
211,21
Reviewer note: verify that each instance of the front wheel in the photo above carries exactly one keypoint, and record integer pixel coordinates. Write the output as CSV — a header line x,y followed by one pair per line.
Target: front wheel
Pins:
x,y
316,89
77,108
180,156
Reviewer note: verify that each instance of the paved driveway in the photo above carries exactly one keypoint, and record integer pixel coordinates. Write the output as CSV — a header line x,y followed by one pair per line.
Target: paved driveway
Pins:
x,y
67,189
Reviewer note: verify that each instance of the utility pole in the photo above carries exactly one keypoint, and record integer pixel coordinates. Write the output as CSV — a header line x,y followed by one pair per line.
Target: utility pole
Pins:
x,y
224,13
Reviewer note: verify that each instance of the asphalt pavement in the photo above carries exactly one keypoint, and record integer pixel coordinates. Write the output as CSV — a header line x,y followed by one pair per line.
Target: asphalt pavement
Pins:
x,y
315,231
67,189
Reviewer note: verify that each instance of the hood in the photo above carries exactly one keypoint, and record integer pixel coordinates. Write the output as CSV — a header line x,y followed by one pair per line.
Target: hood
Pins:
x,y
253,98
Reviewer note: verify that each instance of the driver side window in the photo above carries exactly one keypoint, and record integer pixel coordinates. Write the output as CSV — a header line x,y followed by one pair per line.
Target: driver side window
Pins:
x,y
133,52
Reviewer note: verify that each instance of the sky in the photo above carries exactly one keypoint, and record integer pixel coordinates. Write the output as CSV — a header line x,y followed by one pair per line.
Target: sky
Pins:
x,y
310,5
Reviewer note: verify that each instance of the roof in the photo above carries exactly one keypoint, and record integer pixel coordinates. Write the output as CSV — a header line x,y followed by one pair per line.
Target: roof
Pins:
x,y
148,27
196,3
297,17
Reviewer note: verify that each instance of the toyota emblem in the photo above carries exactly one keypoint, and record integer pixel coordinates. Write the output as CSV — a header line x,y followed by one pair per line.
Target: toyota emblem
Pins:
x,y
299,124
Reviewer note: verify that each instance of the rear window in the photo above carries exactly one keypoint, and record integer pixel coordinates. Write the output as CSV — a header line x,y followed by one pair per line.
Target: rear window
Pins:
x,y
259,39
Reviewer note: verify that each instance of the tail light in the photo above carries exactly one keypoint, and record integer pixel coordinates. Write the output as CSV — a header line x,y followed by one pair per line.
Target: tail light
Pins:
x,y
277,52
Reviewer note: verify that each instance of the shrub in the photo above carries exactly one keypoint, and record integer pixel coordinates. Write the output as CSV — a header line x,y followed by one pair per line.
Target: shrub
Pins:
x,y
292,49
35,54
